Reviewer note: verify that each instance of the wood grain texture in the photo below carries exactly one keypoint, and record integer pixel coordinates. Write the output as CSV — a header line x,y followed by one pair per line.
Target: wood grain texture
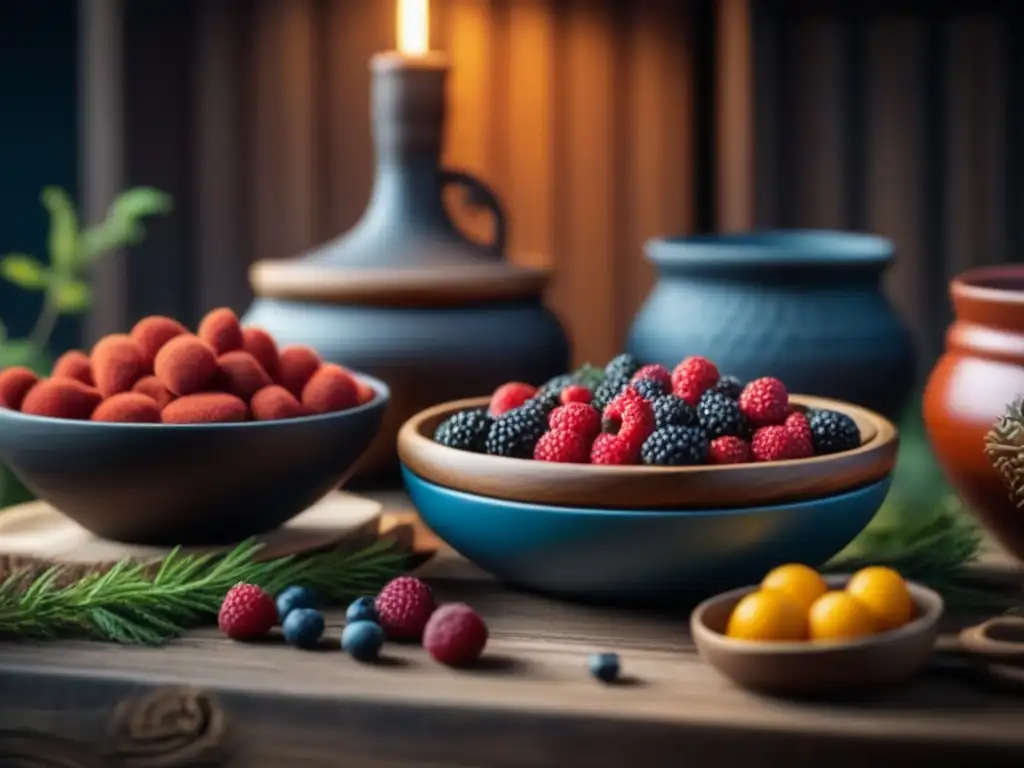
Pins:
x,y
643,487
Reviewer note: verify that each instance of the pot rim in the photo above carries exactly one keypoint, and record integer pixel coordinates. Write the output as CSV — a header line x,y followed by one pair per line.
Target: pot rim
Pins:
x,y
982,285
771,247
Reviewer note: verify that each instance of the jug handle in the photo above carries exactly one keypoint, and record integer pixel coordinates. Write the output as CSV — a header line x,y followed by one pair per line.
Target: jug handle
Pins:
x,y
479,195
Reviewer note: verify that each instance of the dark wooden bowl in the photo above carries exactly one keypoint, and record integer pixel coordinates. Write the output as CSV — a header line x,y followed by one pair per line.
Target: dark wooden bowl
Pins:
x,y
643,487
816,668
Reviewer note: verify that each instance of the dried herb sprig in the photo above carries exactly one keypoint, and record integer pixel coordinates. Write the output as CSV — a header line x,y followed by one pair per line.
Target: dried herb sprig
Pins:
x,y
149,604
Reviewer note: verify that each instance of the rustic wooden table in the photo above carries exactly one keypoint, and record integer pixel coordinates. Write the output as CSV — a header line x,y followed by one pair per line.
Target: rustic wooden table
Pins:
x,y
207,701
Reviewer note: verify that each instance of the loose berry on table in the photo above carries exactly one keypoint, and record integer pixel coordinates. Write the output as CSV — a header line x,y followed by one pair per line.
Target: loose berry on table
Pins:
x,y
720,417
675,447
509,396
730,386
576,417
562,446
404,606
515,434
729,450
575,393
455,635
833,432
672,411
303,627
765,402
362,640
290,598
247,612
361,609
693,377
465,431
605,666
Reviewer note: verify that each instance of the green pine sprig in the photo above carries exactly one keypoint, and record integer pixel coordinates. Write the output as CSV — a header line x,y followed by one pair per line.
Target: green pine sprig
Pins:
x,y
144,604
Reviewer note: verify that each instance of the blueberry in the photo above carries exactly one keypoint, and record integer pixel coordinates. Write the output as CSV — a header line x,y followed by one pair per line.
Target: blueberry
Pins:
x,y
294,597
362,640
303,627
604,666
363,609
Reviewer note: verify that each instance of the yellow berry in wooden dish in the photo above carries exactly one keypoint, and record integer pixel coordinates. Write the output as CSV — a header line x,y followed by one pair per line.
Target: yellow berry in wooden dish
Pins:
x,y
767,615
838,615
884,593
801,583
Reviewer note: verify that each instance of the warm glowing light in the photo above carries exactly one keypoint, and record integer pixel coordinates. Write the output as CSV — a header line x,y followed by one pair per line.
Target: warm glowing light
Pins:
x,y
414,27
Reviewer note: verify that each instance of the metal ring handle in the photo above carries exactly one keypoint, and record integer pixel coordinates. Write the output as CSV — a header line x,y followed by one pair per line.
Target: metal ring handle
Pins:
x,y
482,196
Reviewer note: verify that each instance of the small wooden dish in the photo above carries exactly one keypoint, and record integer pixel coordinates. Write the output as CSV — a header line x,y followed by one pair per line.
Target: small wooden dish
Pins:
x,y
817,668
643,487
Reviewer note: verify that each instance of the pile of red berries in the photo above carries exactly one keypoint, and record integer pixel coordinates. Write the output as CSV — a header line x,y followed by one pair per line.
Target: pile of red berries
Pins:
x,y
630,413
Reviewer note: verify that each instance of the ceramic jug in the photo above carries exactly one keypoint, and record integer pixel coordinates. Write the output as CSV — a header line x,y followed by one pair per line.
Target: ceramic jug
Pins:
x,y
804,306
980,373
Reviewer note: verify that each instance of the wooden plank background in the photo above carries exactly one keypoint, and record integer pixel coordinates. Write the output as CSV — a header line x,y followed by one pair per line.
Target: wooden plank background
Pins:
x,y
600,122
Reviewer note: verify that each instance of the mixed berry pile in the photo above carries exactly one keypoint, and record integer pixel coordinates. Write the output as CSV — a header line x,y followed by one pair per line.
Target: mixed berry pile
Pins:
x,y
630,413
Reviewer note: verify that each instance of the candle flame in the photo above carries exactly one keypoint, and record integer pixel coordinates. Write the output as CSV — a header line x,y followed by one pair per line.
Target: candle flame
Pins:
x,y
414,27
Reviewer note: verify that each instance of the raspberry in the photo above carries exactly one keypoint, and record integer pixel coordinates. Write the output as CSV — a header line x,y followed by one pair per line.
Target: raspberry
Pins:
x,y
692,378
465,431
580,418
730,386
404,606
775,443
658,373
765,402
675,447
510,396
719,416
729,450
575,393
649,389
562,446
612,449
670,410
455,635
630,416
246,613
832,431
800,429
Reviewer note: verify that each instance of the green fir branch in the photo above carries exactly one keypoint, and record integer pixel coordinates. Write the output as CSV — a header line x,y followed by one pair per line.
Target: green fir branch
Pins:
x,y
148,604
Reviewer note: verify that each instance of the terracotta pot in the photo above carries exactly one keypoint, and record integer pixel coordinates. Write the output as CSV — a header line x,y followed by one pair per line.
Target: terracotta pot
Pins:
x,y
981,372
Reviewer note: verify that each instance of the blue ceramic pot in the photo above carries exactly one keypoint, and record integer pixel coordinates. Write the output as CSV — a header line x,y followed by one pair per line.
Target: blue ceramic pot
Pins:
x,y
643,555
804,306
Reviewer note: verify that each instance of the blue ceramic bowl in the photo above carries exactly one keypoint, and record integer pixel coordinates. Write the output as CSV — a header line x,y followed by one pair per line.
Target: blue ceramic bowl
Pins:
x,y
642,556
187,484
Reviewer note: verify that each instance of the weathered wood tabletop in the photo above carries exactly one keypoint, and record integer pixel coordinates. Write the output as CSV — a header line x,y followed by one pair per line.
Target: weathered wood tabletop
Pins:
x,y
208,701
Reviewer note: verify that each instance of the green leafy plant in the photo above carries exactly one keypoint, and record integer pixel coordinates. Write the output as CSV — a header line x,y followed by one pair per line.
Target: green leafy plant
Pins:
x,y
149,604
73,251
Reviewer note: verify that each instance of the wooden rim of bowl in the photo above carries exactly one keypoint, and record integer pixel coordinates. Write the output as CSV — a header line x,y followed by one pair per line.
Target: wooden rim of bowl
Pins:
x,y
644,487
929,604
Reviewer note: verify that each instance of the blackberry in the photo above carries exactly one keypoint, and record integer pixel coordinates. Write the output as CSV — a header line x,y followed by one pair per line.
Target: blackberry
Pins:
x,y
515,433
466,431
546,401
730,386
556,385
672,411
832,432
625,365
720,416
675,447
613,385
649,389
